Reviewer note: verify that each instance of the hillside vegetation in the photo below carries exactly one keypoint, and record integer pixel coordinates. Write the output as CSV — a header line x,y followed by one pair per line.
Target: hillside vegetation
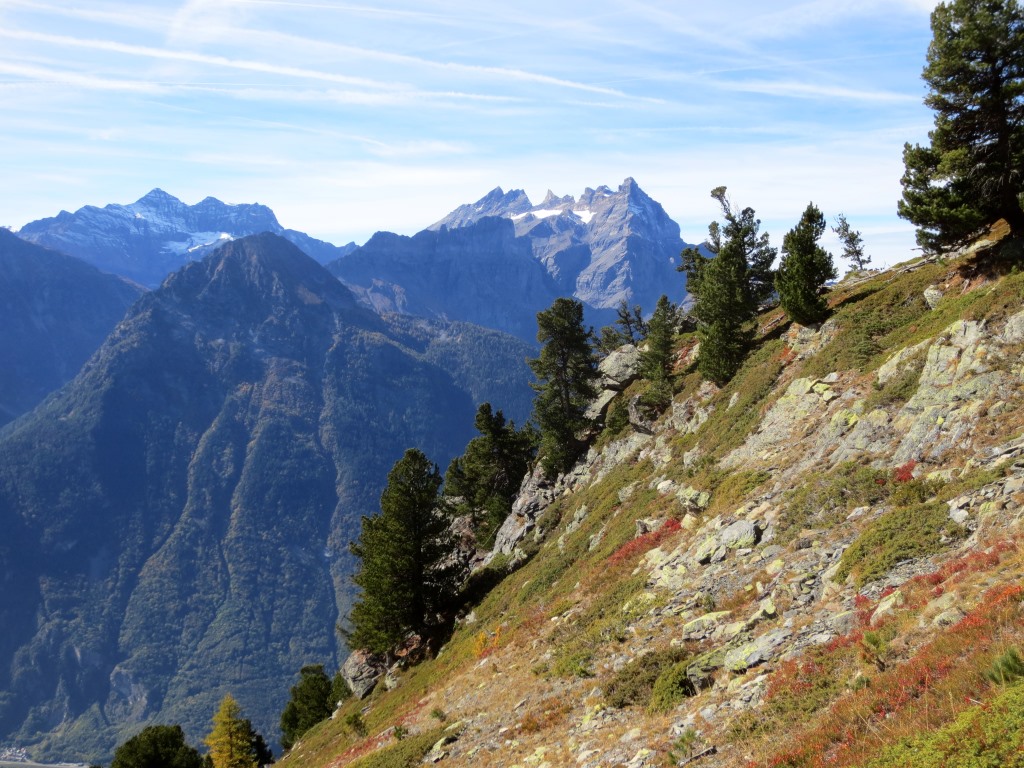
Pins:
x,y
817,563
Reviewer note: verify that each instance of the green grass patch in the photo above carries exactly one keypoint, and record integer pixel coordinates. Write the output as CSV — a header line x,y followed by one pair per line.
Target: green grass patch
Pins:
x,y
902,534
406,753
827,498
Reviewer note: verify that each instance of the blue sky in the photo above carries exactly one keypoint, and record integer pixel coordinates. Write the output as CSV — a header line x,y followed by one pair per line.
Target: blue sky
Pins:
x,y
350,117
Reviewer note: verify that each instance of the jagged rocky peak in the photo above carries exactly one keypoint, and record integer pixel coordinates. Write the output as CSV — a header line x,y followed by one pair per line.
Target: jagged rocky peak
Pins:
x,y
495,203
158,233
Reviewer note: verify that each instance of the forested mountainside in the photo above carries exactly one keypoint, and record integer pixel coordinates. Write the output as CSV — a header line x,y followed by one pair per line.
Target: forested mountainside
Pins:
x,y
176,520
55,311
817,563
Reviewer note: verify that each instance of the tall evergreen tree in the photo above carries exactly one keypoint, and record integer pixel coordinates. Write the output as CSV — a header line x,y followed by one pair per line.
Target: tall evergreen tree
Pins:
x,y
232,741
486,477
729,287
970,174
406,573
566,372
656,357
157,746
805,269
853,243
310,702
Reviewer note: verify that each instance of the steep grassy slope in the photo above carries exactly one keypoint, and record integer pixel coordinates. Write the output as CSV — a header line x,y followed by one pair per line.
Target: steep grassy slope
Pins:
x,y
814,565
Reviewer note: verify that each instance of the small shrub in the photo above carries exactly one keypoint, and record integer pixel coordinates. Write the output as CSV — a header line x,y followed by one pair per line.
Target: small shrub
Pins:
x,y
1007,668
438,714
634,683
354,722
399,732
574,663
671,687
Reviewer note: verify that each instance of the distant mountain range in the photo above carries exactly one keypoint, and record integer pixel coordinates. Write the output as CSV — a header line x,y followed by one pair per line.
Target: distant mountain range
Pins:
x,y
157,234
176,519
495,262
55,311
498,261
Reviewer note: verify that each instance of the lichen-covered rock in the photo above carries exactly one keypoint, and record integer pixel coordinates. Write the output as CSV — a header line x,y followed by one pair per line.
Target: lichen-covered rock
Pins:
x,y
620,368
757,651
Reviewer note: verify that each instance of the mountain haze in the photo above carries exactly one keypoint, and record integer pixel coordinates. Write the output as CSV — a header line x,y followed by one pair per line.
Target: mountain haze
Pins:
x,y
158,233
55,311
177,518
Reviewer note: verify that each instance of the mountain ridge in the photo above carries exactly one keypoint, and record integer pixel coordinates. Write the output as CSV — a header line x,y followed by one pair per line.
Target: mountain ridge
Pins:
x,y
158,233
179,513
607,247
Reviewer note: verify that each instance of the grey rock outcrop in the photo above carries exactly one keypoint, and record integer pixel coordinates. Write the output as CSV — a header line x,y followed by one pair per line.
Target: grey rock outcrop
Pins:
x,y
361,671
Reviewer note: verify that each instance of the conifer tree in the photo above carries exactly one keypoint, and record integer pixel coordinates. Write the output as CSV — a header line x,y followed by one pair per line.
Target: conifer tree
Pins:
x,y
969,175
310,702
157,746
486,477
729,287
853,243
656,357
566,372
629,328
232,742
805,269
406,573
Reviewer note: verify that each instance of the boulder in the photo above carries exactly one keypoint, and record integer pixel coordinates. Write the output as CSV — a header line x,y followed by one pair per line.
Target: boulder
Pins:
x,y
361,671
620,368
755,652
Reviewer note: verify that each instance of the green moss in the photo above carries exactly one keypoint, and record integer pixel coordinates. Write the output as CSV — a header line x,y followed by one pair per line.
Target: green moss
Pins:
x,y
986,736
902,534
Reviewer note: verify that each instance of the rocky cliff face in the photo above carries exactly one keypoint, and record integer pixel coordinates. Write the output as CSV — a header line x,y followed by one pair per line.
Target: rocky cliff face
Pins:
x,y
55,312
176,520
826,548
498,261
480,273
157,234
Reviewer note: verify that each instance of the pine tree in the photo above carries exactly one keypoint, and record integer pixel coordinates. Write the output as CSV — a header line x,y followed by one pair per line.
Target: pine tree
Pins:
x,y
629,328
970,173
566,372
486,477
232,741
805,269
853,243
729,287
406,573
157,746
656,357
310,702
